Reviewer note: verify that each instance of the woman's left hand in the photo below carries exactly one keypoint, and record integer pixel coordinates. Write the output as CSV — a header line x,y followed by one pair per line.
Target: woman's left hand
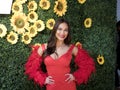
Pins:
x,y
69,78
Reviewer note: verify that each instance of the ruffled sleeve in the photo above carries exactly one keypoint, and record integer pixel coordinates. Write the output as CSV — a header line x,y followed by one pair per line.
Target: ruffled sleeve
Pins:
x,y
32,67
85,65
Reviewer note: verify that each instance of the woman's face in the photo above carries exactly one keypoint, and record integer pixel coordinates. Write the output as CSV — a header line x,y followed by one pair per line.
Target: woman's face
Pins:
x,y
62,32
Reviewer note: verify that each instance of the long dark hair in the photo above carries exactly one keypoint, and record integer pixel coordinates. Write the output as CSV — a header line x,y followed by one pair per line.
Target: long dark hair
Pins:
x,y
51,44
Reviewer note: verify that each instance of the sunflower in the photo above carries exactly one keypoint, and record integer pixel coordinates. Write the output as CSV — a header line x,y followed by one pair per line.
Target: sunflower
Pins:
x,y
40,25
12,37
32,16
88,22
32,31
60,7
81,1
17,7
26,38
3,30
44,4
100,60
78,44
37,44
32,6
50,23
19,22
21,1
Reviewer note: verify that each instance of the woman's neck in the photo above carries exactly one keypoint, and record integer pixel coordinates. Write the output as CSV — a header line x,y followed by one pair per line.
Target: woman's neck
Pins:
x,y
60,44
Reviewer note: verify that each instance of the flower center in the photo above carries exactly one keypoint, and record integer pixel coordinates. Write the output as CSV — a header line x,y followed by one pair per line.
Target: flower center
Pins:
x,y
26,37
38,25
44,4
51,24
19,23
1,31
31,6
32,16
32,30
16,8
12,37
100,60
60,6
87,22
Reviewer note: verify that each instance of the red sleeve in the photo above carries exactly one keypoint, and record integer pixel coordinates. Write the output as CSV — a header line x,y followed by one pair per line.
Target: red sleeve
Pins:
x,y
32,67
85,66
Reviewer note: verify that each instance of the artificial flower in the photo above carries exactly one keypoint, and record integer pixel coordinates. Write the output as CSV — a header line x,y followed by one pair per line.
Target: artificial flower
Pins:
x,y
60,7
12,37
26,38
37,44
17,7
32,6
40,25
3,30
78,44
88,22
50,23
44,4
19,22
21,1
81,1
32,31
32,16
100,59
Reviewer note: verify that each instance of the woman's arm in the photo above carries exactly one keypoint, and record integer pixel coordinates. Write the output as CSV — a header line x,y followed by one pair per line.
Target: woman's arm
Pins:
x,y
32,66
85,65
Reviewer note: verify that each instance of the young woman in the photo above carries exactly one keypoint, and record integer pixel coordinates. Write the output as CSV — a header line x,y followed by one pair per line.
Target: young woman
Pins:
x,y
56,56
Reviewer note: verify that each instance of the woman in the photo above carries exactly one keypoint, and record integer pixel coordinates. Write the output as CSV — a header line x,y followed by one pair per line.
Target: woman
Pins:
x,y
56,56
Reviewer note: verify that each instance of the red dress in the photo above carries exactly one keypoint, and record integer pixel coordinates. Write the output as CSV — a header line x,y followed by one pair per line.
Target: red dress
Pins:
x,y
57,69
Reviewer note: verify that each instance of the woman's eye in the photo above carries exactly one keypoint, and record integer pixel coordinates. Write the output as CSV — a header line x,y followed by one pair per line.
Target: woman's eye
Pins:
x,y
66,30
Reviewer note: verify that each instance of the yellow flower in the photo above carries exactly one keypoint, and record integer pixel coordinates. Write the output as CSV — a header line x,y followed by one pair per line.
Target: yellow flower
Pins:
x,y
19,22
100,60
32,6
32,31
60,7
88,22
40,25
17,7
21,1
50,24
44,4
37,44
32,16
81,1
3,30
12,37
78,44
26,38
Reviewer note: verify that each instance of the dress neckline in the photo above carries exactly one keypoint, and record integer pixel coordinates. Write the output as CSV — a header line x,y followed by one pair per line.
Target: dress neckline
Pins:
x,y
70,48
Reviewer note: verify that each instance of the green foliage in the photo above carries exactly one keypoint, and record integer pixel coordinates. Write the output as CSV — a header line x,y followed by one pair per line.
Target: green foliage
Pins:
x,y
99,39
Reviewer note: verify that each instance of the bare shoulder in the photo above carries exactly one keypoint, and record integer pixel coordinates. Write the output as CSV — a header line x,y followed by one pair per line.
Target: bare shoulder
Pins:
x,y
75,50
42,48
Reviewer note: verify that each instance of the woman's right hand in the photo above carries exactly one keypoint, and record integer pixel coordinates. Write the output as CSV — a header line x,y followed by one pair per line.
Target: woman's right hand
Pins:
x,y
49,80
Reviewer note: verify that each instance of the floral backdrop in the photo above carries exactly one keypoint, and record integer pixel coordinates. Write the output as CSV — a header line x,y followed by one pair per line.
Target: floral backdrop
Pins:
x,y
31,21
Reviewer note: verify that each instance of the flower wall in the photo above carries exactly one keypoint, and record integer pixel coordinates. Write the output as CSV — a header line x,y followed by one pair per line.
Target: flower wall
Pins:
x,y
31,21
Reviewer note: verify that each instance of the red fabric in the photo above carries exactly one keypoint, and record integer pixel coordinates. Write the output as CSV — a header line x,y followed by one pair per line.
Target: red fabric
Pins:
x,y
82,59
57,68
32,67
85,66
